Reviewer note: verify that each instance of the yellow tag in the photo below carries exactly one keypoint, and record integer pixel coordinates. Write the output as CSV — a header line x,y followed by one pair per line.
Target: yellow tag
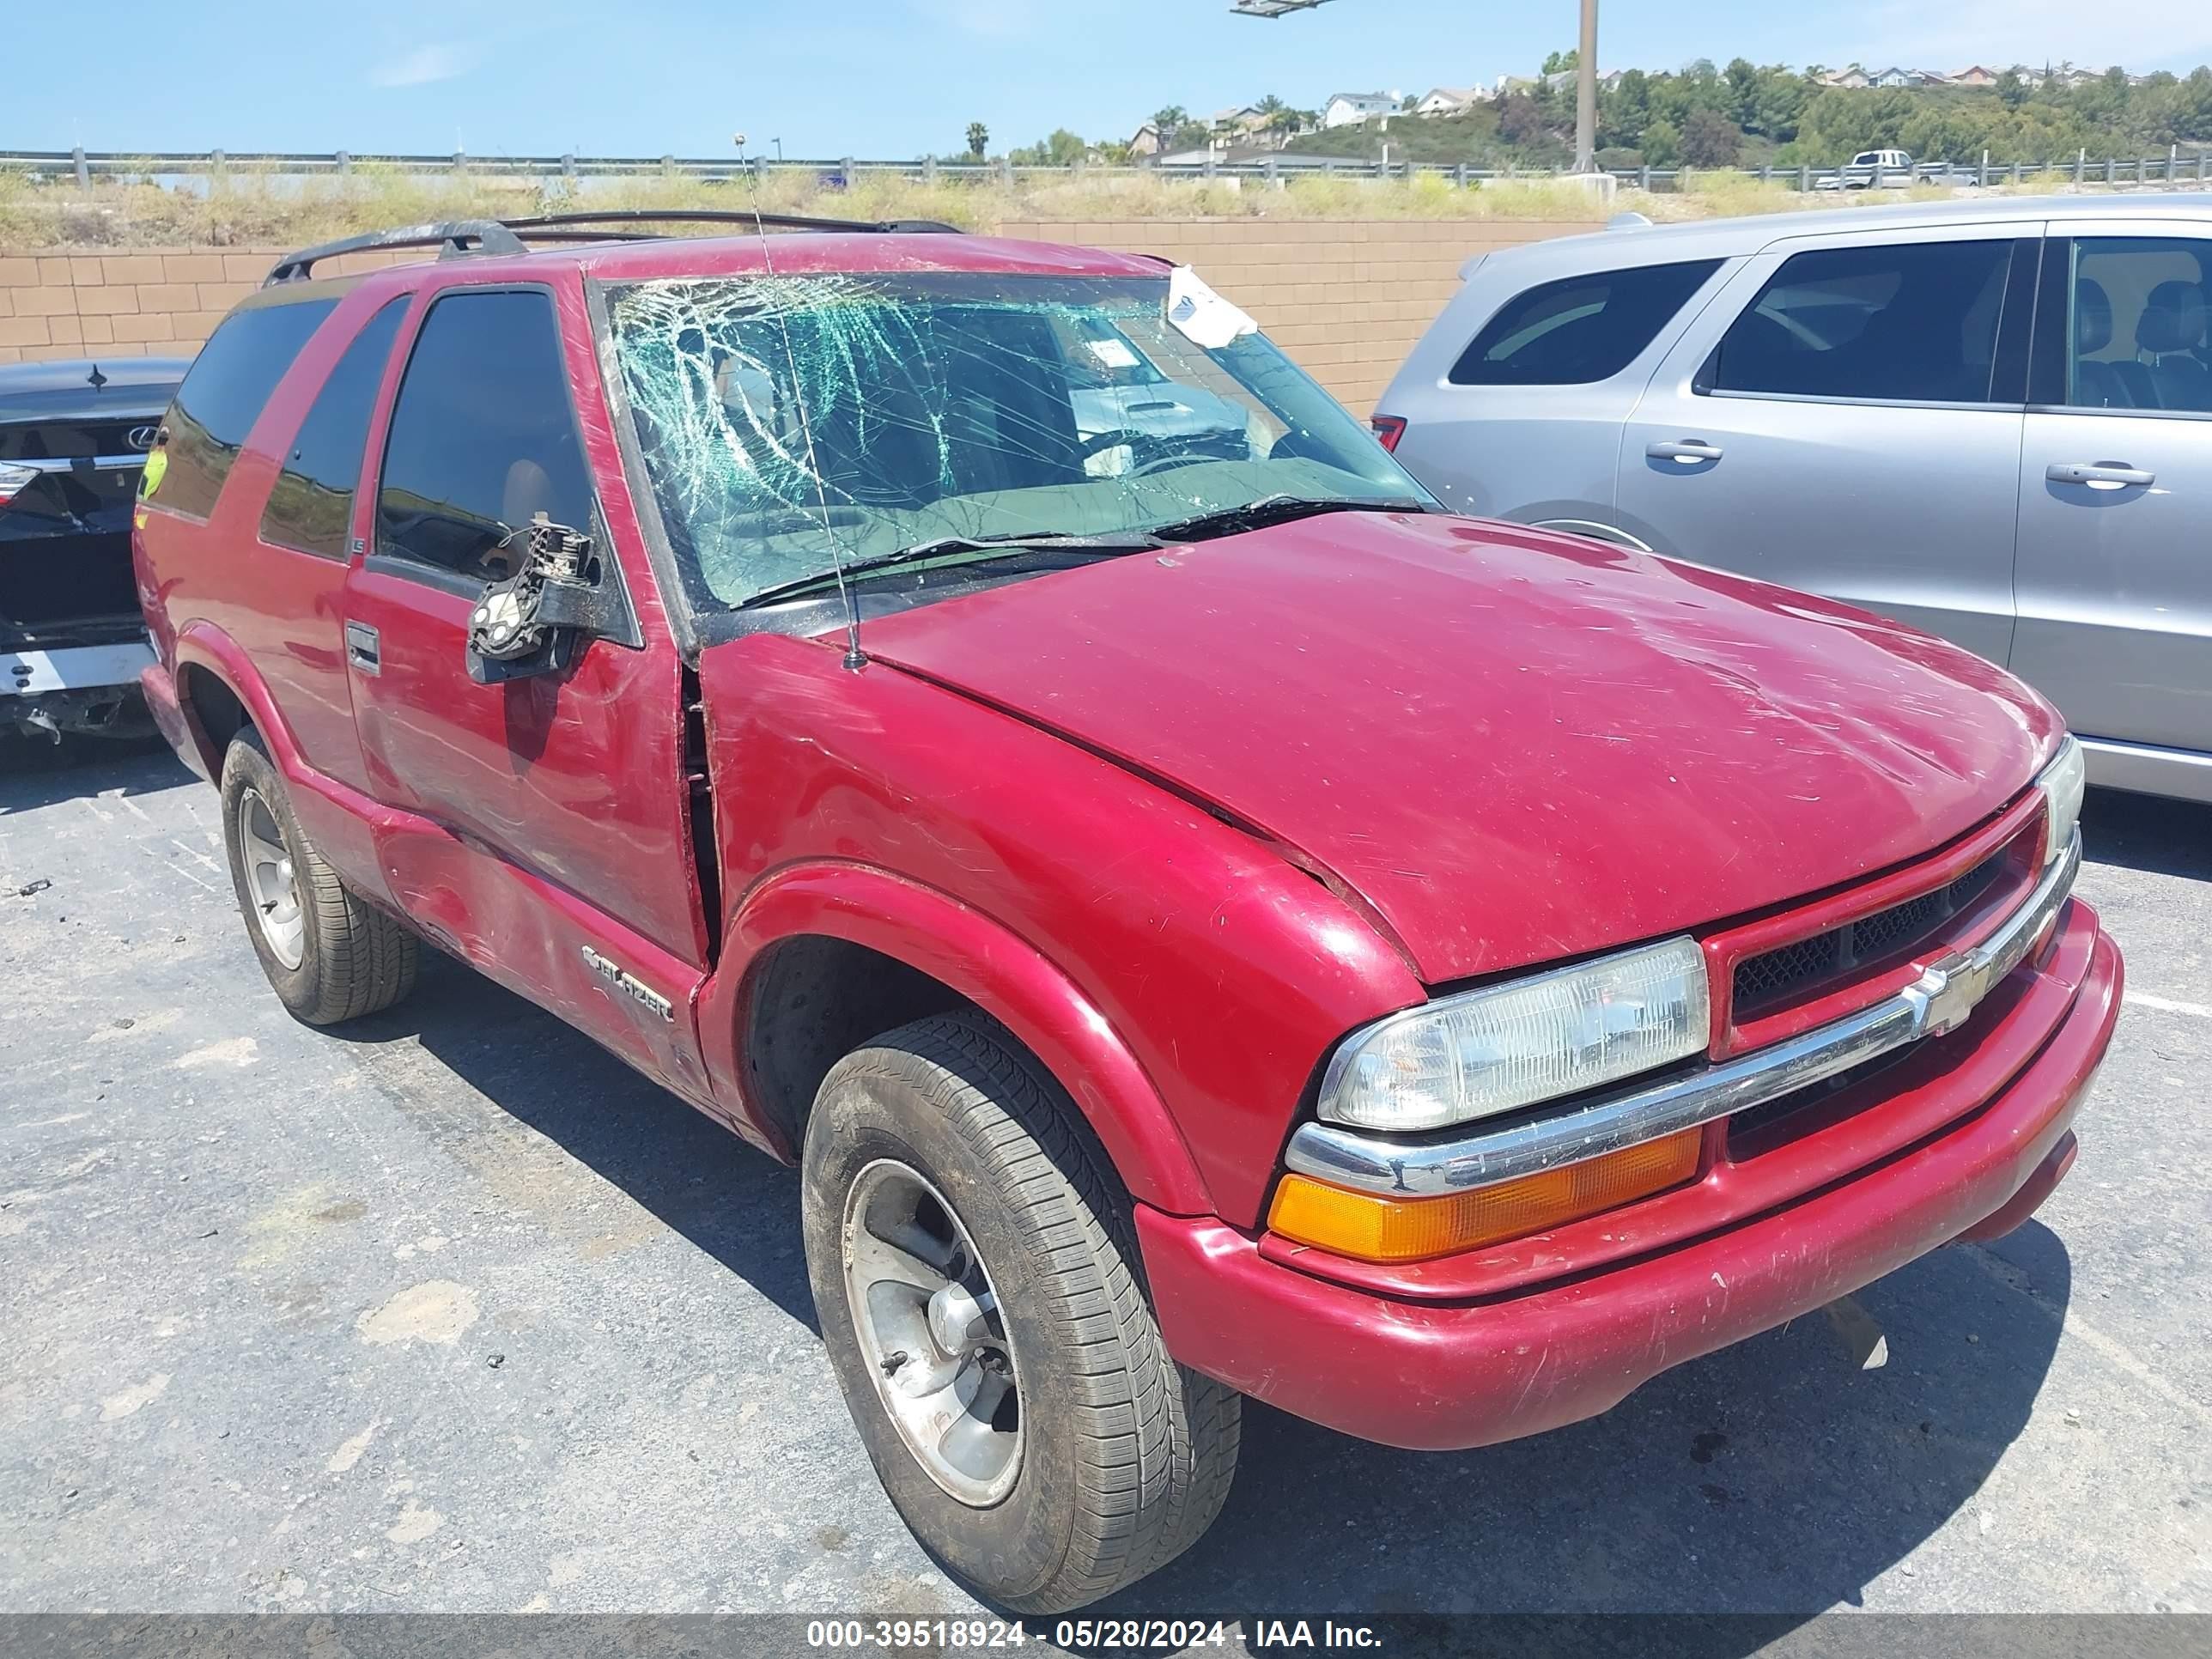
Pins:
x,y
157,466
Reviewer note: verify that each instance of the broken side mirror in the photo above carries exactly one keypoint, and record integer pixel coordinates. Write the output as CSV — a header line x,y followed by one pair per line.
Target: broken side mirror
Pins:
x,y
532,621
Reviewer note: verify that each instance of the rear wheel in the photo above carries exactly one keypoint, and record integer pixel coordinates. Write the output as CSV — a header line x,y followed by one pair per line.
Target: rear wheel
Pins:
x,y
329,955
979,1287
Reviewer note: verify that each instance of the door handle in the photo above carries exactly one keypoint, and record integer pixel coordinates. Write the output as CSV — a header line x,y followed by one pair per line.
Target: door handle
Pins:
x,y
2112,474
1686,451
361,648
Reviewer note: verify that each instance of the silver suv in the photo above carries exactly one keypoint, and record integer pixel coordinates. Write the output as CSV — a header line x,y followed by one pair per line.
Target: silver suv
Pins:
x,y
1991,419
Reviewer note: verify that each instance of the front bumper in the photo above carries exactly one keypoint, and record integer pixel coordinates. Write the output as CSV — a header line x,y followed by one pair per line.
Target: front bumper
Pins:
x,y
1436,1375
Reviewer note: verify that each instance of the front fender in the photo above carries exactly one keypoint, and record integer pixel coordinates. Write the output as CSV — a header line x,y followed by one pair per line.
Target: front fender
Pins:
x,y
959,946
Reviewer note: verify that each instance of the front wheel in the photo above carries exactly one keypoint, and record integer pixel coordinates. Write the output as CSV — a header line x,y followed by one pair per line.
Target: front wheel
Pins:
x,y
329,955
978,1283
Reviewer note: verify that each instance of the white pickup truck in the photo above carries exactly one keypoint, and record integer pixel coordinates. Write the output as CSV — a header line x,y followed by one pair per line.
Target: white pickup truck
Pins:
x,y
1871,169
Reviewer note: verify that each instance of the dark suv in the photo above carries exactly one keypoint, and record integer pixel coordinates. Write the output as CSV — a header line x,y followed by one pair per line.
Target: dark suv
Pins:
x,y
74,436
1205,921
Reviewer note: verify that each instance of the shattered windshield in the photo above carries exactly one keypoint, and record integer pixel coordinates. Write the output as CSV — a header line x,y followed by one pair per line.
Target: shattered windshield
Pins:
x,y
789,423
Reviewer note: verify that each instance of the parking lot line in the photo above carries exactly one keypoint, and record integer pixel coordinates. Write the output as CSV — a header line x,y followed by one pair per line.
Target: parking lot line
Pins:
x,y
2167,1004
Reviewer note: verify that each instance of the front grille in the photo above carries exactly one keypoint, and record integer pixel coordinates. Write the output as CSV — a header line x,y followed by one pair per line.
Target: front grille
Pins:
x,y
1792,971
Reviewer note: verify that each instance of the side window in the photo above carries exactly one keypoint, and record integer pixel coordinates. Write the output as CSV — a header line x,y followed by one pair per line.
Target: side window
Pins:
x,y
2136,333
1911,322
222,396
1580,328
482,437
311,502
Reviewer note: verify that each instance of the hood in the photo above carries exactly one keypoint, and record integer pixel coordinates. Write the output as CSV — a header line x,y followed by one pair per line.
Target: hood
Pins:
x,y
1513,746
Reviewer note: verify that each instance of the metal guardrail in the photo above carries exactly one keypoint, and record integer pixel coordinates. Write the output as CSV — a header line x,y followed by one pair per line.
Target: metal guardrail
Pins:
x,y
84,168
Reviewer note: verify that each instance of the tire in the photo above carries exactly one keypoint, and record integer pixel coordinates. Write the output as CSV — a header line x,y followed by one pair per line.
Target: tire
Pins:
x,y
1124,1456
347,959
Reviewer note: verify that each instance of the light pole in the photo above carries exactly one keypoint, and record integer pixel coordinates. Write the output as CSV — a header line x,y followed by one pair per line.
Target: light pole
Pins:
x,y
1586,92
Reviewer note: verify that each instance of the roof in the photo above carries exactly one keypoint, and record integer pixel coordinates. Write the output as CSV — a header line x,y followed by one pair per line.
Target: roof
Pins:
x,y
786,254
1721,239
63,389
1364,98
117,375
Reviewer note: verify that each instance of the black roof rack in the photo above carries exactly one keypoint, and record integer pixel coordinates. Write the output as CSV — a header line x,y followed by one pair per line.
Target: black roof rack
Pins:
x,y
456,237
733,216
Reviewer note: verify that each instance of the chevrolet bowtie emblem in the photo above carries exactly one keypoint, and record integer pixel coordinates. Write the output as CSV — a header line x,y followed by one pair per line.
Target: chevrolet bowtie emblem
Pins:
x,y
1952,987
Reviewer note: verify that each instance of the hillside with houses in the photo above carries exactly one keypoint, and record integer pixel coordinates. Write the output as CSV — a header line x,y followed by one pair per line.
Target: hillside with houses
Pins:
x,y
1703,115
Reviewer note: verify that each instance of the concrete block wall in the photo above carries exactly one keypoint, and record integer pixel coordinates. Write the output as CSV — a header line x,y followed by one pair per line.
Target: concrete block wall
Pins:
x,y
1344,298
149,302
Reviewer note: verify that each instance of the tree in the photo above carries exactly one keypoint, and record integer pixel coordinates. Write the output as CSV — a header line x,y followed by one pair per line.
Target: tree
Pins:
x,y
1062,149
1519,121
1710,139
1172,120
979,140
2012,91
1561,63
1662,145
1743,84
1625,110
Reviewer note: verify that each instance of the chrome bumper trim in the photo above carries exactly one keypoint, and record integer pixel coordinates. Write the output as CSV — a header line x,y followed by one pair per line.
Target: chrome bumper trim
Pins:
x,y
1940,1000
92,462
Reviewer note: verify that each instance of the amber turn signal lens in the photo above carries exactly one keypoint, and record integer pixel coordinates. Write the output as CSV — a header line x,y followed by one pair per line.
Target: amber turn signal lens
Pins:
x,y
1371,1227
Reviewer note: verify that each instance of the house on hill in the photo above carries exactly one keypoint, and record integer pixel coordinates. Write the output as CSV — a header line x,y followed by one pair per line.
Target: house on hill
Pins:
x,y
1355,109
1850,80
1976,74
1447,100
1895,77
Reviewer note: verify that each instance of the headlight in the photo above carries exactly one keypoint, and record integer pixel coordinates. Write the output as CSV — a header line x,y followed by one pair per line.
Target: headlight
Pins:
x,y
2062,783
1508,1046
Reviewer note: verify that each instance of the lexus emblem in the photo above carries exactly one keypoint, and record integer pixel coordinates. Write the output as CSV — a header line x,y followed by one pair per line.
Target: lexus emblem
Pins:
x,y
141,437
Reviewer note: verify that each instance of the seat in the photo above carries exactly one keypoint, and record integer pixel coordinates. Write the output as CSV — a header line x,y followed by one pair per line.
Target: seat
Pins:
x,y
2095,385
2168,332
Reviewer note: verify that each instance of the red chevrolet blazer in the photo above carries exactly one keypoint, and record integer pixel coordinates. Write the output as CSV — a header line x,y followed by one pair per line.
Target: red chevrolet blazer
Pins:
x,y
975,719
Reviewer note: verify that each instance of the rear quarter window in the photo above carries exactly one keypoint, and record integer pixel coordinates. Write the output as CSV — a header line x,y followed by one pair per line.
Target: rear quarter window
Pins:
x,y
311,502
1580,328
223,395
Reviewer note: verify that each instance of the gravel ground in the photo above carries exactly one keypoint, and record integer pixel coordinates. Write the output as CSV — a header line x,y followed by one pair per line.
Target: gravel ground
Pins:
x,y
450,1311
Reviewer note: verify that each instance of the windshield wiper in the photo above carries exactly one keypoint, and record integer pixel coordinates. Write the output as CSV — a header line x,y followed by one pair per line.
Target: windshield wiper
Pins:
x,y
993,546
1279,509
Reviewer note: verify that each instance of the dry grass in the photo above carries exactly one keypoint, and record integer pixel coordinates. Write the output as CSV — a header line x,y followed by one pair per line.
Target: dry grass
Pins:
x,y
251,209
248,209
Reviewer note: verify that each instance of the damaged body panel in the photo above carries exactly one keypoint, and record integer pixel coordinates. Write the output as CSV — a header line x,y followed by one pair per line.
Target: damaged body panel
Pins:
x,y
977,720
74,438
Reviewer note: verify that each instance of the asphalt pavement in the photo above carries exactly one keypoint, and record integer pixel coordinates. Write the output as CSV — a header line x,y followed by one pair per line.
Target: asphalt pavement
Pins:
x,y
451,1311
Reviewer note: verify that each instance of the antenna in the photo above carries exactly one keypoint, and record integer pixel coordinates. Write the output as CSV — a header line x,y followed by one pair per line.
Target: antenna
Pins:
x,y
855,659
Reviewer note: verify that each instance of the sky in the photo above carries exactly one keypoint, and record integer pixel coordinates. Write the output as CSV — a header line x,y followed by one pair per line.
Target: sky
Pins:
x,y
893,79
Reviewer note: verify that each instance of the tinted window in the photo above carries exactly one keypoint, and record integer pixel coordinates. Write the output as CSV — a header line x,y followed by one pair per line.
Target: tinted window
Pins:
x,y
222,396
311,502
1579,329
482,437
2137,333
1916,322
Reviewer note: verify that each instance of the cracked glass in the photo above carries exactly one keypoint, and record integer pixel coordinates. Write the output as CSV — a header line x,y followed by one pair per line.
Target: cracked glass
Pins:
x,y
789,423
